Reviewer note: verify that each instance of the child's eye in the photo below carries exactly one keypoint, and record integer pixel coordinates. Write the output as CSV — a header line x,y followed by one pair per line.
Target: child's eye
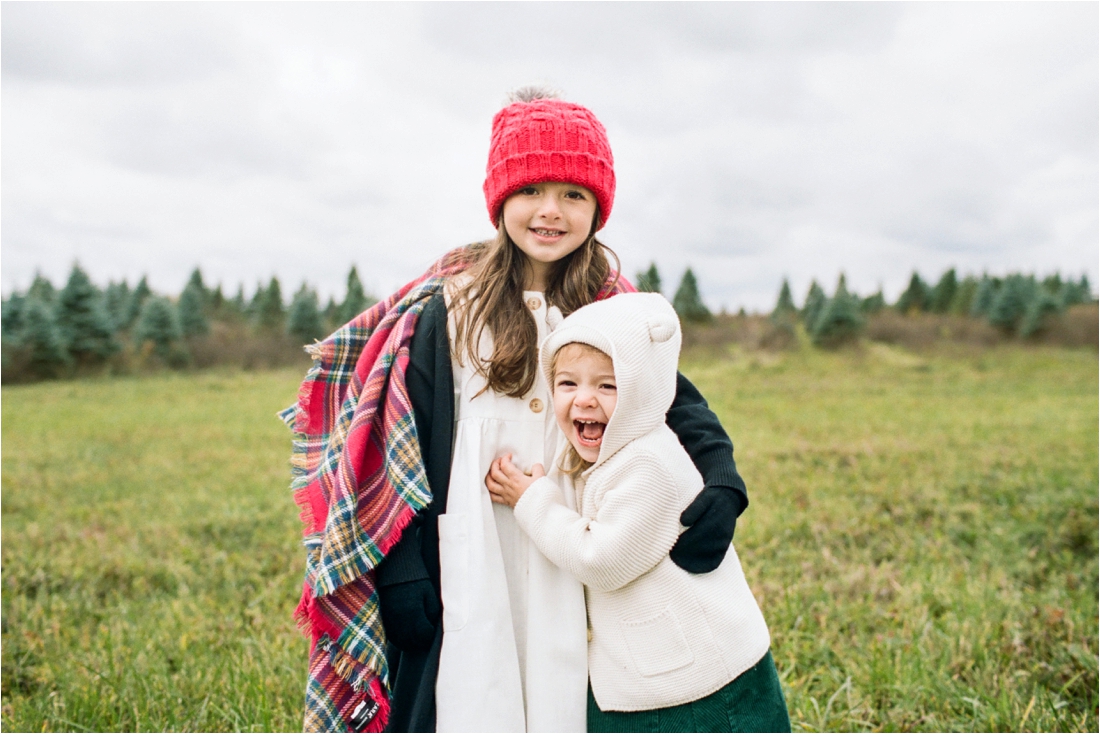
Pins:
x,y
608,386
574,194
566,383
528,191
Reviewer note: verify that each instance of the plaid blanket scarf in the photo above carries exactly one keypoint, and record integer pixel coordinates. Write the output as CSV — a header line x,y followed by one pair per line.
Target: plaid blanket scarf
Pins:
x,y
358,479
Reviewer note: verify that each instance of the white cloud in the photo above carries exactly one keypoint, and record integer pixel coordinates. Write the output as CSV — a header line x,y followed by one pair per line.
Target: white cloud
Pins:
x,y
752,141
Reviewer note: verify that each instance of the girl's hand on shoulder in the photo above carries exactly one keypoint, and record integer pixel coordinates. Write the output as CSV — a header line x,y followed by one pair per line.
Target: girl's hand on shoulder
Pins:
x,y
506,483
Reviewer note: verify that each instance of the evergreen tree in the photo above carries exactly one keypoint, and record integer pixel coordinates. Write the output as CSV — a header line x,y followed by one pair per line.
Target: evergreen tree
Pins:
x,y
839,321
650,280
356,301
1043,307
42,340
1067,294
943,293
42,290
240,305
873,303
159,325
984,296
252,310
116,299
196,284
1052,284
141,293
784,306
86,329
783,319
11,318
811,307
332,313
842,287
303,320
268,313
1071,293
1012,302
217,300
1085,289
192,307
688,302
915,297
964,296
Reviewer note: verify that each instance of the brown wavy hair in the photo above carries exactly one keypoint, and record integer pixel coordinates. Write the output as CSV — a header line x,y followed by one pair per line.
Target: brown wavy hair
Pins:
x,y
493,298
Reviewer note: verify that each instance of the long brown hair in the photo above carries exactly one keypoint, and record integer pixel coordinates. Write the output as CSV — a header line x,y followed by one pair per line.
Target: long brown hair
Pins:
x,y
492,298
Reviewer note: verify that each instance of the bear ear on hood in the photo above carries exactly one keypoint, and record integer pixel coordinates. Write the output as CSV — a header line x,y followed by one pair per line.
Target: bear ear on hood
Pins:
x,y
661,328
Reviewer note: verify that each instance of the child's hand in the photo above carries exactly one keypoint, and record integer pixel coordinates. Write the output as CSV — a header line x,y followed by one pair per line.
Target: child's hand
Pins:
x,y
506,483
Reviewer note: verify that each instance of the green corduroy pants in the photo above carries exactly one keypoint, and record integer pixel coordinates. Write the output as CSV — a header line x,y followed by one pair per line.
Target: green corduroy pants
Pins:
x,y
751,702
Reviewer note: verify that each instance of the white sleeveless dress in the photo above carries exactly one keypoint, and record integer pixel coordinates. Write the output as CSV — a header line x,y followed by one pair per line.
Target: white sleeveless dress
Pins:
x,y
515,648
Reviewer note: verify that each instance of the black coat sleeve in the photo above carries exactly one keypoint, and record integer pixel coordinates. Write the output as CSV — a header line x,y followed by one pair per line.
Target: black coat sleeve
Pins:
x,y
704,438
711,518
416,555
408,579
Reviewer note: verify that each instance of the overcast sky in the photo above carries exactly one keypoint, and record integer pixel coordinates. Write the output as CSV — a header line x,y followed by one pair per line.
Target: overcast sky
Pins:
x,y
752,141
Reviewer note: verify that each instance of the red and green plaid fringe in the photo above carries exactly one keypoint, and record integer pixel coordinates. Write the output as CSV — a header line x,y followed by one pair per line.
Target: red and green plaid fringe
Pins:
x,y
358,479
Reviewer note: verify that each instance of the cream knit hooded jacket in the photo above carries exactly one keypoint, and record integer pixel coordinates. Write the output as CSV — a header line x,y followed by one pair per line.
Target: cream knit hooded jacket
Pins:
x,y
660,636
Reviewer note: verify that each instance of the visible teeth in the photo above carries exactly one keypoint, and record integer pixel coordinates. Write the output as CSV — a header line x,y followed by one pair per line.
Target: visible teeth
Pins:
x,y
548,232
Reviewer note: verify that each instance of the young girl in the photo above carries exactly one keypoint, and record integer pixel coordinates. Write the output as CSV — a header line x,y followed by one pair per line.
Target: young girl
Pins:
x,y
427,606
667,651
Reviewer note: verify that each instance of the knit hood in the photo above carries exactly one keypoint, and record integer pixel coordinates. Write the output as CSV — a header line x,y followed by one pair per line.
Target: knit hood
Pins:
x,y
641,334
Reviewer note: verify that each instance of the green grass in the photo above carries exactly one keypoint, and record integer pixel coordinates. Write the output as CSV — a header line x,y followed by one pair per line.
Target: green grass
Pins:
x,y
922,534
922,539
151,556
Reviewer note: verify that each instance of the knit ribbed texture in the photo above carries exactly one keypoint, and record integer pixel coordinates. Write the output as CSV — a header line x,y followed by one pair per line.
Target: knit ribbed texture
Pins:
x,y
660,636
548,140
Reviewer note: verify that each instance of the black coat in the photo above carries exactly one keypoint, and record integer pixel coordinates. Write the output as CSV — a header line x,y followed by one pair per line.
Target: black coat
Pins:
x,y
414,561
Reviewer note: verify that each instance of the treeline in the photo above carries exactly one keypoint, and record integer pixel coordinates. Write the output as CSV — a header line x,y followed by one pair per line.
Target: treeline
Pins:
x,y
1017,304
81,329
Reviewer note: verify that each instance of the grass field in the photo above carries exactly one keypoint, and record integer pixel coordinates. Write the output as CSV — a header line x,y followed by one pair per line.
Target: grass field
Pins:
x,y
922,539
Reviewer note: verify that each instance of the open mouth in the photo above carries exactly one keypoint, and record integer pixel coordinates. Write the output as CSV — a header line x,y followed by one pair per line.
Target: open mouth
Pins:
x,y
589,433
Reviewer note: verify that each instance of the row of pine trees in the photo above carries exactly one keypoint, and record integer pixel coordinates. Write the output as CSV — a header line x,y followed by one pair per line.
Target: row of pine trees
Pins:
x,y
50,332
1016,304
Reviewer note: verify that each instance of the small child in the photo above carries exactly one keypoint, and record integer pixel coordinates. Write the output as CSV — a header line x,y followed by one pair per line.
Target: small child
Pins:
x,y
668,650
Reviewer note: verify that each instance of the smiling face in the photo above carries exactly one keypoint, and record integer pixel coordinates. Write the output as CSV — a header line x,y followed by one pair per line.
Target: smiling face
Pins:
x,y
585,395
548,221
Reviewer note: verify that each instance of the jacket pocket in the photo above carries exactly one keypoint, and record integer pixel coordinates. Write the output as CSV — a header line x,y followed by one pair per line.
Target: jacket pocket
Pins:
x,y
454,570
657,644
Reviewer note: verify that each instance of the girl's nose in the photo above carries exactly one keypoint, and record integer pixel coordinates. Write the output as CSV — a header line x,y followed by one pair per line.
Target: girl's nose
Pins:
x,y
585,399
548,206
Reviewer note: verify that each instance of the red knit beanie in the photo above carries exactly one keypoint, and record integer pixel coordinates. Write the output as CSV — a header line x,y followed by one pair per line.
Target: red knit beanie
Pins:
x,y
548,140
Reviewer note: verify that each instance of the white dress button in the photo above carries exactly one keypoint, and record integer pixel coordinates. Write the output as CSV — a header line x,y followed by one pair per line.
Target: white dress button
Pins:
x,y
536,405
534,304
